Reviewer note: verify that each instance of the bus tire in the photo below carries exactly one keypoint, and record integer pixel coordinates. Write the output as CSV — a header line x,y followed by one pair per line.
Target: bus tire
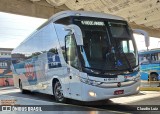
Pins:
x,y
21,87
58,93
154,77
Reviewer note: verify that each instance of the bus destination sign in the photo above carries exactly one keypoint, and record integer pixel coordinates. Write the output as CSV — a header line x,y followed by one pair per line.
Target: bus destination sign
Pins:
x,y
93,23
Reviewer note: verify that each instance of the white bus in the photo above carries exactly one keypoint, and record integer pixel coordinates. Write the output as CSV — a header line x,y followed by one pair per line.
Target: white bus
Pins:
x,y
80,55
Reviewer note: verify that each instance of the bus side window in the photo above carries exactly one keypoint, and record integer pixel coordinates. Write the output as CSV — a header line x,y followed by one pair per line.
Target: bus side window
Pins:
x,y
145,59
154,57
71,51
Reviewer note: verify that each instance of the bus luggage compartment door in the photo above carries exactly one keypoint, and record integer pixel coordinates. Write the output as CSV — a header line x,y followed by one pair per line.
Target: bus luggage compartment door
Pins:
x,y
74,83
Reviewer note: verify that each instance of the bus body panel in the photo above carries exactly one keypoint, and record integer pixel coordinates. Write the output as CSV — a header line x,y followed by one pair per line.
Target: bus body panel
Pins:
x,y
107,93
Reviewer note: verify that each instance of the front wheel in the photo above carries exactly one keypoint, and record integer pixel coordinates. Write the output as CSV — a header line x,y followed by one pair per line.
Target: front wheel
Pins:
x,y
58,93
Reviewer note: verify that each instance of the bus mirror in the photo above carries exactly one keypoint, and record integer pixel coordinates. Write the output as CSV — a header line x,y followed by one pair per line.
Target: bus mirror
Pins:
x,y
144,33
77,32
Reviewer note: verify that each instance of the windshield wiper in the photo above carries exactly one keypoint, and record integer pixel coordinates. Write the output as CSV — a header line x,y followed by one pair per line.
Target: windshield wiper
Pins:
x,y
129,64
106,72
92,68
101,71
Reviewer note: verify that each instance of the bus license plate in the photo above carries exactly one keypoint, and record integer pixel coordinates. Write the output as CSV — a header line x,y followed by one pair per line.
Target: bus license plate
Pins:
x,y
118,92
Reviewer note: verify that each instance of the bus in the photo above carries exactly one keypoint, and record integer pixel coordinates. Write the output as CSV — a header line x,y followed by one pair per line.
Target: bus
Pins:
x,y
150,64
81,55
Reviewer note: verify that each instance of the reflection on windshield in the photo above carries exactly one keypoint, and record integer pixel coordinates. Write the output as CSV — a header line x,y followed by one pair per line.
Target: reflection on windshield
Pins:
x,y
105,49
118,30
99,54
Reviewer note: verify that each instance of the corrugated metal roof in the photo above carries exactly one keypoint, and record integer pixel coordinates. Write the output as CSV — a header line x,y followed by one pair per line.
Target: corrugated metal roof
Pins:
x,y
143,12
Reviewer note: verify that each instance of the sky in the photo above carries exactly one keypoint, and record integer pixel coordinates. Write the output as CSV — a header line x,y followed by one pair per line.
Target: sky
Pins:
x,y
15,28
140,42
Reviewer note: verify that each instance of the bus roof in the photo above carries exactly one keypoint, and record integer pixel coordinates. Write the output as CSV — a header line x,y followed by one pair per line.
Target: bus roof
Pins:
x,y
150,51
68,13
84,13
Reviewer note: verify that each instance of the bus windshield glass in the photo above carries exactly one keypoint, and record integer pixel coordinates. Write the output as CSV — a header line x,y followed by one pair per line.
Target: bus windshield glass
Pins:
x,y
118,30
108,44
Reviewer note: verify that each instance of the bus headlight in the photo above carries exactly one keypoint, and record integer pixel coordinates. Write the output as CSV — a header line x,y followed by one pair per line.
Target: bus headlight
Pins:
x,y
90,82
92,94
138,88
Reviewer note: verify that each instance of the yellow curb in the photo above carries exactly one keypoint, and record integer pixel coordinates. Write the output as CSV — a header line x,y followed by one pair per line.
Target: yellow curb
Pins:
x,y
149,88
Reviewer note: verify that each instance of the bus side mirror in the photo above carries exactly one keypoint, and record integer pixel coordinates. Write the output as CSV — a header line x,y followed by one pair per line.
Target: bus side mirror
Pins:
x,y
144,33
74,29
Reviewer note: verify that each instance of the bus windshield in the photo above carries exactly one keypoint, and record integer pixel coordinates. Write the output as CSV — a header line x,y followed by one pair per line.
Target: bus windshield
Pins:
x,y
108,45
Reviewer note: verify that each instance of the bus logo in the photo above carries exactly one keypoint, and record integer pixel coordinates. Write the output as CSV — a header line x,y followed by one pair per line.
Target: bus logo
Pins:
x,y
6,108
30,74
53,60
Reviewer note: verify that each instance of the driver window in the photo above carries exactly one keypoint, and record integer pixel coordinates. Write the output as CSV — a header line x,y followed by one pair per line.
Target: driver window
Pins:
x,y
71,51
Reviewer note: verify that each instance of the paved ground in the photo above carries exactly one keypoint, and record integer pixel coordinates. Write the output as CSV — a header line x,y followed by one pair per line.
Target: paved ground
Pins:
x,y
116,105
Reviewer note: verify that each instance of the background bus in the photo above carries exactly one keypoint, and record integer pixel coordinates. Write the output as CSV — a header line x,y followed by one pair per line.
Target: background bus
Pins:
x,y
150,64
6,78
80,55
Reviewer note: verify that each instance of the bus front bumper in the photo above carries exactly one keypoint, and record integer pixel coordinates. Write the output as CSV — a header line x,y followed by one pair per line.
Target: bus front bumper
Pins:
x,y
94,93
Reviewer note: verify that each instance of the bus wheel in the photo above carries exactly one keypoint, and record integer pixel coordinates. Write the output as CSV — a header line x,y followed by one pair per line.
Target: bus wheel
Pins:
x,y
154,77
21,88
58,93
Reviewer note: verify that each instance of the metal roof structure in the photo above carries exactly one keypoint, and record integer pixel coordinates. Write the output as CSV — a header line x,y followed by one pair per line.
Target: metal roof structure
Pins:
x,y
141,12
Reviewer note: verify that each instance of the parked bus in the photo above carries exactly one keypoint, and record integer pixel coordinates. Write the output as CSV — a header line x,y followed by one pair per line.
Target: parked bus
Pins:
x,y
150,64
80,55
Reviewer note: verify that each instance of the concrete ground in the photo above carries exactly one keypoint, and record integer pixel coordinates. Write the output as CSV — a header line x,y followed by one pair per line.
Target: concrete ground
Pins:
x,y
150,86
128,104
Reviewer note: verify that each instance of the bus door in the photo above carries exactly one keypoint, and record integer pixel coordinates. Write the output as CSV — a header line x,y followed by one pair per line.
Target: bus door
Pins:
x,y
73,66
